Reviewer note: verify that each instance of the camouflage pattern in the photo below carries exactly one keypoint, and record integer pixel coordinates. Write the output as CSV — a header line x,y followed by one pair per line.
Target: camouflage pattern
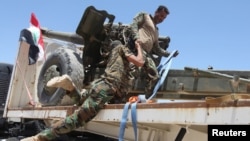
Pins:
x,y
118,70
114,82
75,96
152,75
144,29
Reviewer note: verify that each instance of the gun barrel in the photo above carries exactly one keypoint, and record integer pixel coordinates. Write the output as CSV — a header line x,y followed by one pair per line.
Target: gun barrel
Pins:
x,y
64,36
216,74
163,39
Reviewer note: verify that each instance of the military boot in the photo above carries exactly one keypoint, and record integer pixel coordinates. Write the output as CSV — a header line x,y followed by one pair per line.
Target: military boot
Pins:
x,y
63,81
45,135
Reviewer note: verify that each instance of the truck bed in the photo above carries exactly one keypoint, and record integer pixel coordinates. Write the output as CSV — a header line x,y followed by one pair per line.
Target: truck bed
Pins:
x,y
188,100
165,117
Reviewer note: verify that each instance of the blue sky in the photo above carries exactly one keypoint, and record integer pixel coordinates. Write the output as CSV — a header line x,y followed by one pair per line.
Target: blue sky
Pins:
x,y
206,32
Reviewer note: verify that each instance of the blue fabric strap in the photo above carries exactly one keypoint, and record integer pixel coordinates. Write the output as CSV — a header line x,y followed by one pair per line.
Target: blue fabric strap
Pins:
x,y
163,69
134,118
123,121
165,60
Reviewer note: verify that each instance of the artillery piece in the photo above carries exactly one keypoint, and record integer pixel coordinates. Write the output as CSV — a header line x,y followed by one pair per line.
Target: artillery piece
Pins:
x,y
82,56
93,35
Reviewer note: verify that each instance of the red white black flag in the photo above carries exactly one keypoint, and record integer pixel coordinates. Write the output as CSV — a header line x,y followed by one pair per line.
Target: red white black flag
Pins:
x,y
33,36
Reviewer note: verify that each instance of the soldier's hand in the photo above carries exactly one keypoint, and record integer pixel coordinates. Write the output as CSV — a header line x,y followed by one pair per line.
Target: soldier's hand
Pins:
x,y
176,53
137,45
138,41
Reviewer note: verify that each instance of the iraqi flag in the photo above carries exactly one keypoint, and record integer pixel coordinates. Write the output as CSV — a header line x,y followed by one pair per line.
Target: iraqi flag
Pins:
x,y
33,36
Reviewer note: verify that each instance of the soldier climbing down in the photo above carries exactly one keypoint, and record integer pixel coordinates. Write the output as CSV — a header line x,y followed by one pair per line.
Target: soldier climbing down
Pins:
x,y
114,82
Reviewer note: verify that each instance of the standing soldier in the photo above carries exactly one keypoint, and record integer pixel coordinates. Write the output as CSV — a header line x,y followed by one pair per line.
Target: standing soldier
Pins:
x,y
145,32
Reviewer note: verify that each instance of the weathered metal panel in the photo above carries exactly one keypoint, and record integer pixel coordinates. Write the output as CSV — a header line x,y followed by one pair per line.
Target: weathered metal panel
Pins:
x,y
168,112
146,132
193,113
37,114
23,77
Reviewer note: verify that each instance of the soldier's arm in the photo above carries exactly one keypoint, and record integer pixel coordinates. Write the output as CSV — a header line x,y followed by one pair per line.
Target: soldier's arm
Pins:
x,y
138,59
160,51
137,21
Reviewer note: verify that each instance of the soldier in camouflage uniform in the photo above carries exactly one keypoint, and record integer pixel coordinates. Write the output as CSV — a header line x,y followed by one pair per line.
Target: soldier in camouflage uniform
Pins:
x,y
145,31
114,82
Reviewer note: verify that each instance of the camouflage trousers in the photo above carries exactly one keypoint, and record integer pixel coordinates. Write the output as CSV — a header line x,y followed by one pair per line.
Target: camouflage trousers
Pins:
x,y
100,93
151,77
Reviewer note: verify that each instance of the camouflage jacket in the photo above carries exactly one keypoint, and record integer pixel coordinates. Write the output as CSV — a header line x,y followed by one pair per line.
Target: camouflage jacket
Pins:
x,y
118,70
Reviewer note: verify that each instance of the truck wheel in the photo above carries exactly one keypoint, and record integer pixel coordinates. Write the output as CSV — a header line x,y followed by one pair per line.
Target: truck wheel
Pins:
x,y
5,76
60,62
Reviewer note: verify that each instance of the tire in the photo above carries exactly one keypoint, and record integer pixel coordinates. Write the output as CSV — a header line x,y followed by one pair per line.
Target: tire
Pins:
x,y
61,61
5,76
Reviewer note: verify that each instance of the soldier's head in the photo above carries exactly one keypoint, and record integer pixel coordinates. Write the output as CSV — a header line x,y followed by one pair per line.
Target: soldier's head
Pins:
x,y
160,14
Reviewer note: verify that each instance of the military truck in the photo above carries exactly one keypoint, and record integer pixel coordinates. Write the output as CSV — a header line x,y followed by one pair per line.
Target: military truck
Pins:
x,y
187,101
